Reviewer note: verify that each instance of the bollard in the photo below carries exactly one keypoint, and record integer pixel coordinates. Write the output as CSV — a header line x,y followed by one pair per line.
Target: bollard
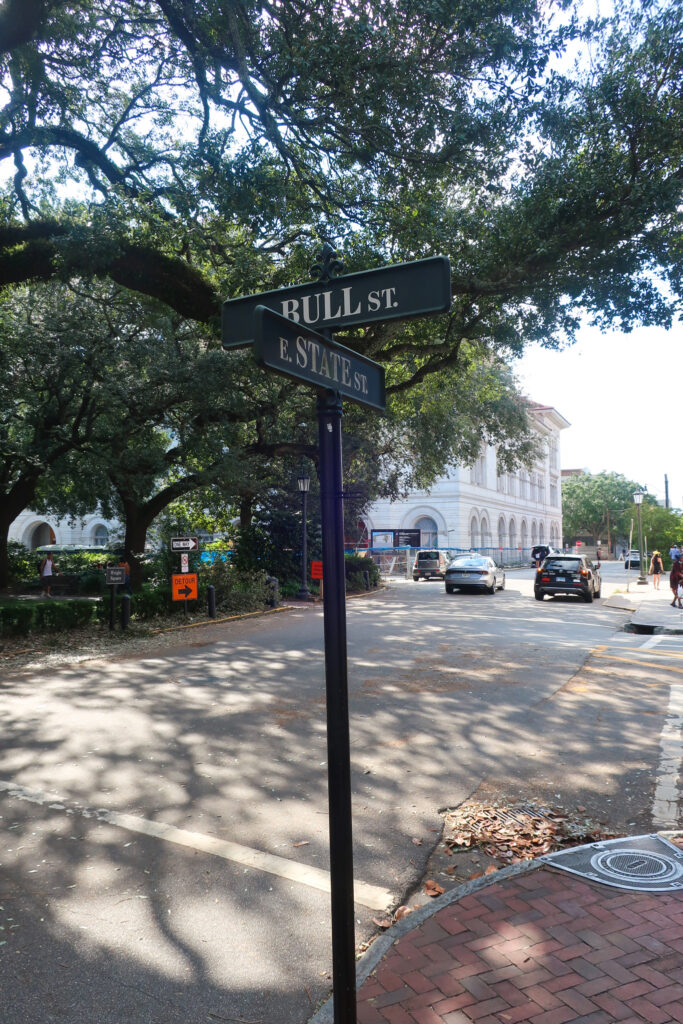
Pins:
x,y
211,598
125,611
274,585
366,577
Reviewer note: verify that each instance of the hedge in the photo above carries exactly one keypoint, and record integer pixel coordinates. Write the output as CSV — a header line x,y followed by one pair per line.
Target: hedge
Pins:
x,y
18,618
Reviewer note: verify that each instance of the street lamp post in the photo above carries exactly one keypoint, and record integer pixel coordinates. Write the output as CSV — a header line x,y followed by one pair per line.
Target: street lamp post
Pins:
x,y
304,484
638,499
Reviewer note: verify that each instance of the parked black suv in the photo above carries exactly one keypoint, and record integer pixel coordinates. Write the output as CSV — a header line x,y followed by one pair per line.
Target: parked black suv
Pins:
x,y
568,574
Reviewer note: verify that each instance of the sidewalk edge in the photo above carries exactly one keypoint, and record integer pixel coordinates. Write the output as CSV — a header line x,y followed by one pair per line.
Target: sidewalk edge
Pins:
x,y
383,943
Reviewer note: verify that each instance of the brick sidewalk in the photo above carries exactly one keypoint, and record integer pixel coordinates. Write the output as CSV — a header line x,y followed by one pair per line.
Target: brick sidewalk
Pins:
x,y
544,947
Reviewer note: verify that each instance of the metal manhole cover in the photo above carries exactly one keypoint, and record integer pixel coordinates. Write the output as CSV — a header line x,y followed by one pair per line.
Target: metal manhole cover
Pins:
x,y
644,863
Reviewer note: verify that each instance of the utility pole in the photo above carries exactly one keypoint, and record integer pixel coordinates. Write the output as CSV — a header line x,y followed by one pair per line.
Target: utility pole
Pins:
x,y
666,491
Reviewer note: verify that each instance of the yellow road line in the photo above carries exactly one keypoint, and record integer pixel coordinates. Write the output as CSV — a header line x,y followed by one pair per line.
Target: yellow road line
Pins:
x,y
637,661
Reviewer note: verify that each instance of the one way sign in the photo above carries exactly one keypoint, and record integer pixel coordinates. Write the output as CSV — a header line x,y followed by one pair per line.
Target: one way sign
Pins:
x,y
184,544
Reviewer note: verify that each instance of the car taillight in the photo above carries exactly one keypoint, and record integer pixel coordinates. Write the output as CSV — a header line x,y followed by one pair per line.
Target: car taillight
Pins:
x,y
584,572
545,579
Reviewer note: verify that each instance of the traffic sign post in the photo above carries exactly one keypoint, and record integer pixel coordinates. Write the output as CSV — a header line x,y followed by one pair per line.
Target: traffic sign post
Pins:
x,y
280,324
115,576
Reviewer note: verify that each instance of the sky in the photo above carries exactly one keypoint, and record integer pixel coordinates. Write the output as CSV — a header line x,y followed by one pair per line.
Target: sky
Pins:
x,y
614,389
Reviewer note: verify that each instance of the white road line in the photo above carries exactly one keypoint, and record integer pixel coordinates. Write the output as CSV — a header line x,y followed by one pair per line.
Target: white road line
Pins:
x,y
366,895
667,792
652,642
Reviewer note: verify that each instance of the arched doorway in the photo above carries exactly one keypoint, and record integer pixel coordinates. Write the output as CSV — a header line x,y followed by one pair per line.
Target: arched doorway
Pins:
x,y
40,535
474,532
512,534
524,534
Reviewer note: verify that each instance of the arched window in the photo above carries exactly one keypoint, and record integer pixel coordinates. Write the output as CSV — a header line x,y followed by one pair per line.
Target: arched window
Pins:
x,y
429,533
474,532
512,534
100,535
533,532
485,532
523,529
541,534
501,532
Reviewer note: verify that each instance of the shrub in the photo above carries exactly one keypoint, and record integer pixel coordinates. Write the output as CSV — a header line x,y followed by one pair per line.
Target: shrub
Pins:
x,y
355,567
16,618
20,562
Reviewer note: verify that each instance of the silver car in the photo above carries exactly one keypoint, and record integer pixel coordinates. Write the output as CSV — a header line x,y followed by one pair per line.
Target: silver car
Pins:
x,y
475,571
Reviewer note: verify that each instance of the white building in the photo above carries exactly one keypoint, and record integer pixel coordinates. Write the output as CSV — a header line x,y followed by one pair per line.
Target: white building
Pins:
x,y
33,530
480,507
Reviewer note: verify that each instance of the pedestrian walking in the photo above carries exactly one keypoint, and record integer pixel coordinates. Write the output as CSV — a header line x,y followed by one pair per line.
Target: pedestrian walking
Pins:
x,y
48,569
656,566
676,582
674,552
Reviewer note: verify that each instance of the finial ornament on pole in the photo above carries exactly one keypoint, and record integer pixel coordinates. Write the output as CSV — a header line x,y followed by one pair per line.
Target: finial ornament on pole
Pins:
x,y
329,267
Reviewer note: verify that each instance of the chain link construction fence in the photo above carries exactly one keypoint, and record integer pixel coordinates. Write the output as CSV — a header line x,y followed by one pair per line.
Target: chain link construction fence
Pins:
x,y
398,562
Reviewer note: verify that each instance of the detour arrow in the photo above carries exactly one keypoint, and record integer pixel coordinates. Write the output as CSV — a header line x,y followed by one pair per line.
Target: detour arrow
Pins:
x,y
184,587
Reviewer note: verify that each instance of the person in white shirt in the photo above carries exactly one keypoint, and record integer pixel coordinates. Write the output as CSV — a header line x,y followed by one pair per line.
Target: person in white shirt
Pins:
x,y
47,570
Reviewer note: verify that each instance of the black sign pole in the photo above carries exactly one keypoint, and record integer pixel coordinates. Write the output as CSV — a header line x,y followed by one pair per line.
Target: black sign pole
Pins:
x,y
112,607
336,683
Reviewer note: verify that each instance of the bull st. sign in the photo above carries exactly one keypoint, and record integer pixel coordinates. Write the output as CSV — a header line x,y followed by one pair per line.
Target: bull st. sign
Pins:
x,y
296,351
398,291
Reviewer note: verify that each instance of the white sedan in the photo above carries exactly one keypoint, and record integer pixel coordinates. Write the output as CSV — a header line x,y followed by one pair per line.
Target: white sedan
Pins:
x,y
474,571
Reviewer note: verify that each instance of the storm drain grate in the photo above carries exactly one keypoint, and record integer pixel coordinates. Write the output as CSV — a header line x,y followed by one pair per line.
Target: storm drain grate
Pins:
x,y
641,863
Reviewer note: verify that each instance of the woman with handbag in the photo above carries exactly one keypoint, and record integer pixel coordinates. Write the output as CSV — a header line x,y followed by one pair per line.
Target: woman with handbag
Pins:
x,y
676,582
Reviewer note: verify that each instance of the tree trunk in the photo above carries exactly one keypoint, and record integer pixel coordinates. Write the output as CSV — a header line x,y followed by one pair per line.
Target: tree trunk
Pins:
x,y
11,504
4,560
137,525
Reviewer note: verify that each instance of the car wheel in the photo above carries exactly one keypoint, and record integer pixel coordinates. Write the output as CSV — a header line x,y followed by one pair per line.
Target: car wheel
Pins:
x,y
449,589
502,584
598,591
538,594
588,596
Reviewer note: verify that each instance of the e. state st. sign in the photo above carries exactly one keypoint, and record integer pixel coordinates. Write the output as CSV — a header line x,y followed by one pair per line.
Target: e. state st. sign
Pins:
x,y
296,351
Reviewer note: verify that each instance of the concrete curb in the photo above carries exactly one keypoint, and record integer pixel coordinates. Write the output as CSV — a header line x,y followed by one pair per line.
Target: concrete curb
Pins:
x,y
383,943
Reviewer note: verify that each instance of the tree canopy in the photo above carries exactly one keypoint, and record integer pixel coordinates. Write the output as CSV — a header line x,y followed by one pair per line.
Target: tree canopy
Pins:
x,y
600,504
196,152
173,155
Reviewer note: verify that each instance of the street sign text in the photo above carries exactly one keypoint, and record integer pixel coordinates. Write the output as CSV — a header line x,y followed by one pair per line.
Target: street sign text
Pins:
x,y
297,351
184,587
386,293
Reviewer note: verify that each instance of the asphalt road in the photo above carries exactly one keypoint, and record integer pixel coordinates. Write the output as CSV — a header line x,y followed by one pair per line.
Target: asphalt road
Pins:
x,y
164,820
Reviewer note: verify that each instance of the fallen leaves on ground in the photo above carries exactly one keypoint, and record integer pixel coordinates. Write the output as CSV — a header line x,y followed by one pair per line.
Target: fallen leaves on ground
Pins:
x,y
516,833
433,888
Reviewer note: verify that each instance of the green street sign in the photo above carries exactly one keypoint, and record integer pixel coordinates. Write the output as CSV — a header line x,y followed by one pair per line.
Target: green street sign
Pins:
x,y
388,293
296,351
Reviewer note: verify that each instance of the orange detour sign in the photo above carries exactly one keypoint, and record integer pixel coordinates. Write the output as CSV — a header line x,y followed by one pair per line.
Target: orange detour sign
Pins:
x,y
316,570
184,587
